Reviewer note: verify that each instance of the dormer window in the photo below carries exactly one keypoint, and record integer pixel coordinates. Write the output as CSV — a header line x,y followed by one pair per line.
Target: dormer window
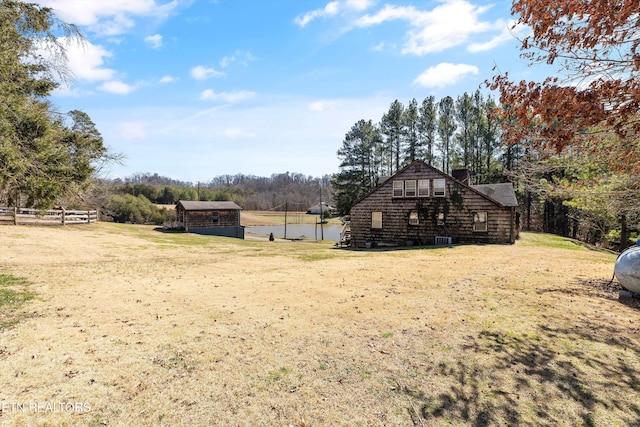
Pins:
x,y
410,188
423,188
439,188
398,188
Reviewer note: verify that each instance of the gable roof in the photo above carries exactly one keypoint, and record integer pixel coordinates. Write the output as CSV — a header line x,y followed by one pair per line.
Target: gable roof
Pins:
x,y
503,192
190,205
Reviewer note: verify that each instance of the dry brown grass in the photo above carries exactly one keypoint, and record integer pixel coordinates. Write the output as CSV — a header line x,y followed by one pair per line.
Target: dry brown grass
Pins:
x,y
154,329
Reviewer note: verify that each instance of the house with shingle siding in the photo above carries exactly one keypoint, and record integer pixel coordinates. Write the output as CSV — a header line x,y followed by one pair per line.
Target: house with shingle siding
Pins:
x,y
422,205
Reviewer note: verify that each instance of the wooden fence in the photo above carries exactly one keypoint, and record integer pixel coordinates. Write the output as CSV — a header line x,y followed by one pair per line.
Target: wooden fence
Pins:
x,y
22,216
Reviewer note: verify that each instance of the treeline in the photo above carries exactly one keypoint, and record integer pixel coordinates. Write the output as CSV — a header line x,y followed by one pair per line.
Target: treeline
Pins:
x,y
135,199
446,133
248,191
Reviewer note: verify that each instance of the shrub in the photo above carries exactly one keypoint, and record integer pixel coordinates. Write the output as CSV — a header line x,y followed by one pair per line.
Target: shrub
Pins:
x,y
136,210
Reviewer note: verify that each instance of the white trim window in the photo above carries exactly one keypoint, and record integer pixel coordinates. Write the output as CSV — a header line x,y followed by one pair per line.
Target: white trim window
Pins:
x,y
423,188
414,219
410,188
376,220
398,188
480,222
439,188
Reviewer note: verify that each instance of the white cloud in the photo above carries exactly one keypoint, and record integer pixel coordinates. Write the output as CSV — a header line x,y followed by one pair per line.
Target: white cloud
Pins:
x,y
321,105
227,60
155,41
110,17
203,73
330,9
444,74
132,130
168,79
117,87
448,25
240,56
230,97
86,60
358,5
333,8
509,33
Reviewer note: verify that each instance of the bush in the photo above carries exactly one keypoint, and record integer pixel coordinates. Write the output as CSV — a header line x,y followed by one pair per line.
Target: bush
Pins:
x,y
136,210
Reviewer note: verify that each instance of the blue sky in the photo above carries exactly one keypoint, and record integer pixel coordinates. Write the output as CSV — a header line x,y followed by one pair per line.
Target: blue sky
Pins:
x,y
193,89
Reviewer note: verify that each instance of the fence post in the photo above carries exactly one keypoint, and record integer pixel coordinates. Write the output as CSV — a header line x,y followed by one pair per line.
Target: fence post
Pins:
x,y
63,218
88,217
15,215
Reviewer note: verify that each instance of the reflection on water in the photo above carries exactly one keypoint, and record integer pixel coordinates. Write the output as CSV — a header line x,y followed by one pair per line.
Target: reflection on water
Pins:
x,y
295,231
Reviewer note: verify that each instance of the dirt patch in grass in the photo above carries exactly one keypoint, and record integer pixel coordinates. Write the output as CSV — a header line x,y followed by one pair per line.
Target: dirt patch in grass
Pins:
x,y
145,328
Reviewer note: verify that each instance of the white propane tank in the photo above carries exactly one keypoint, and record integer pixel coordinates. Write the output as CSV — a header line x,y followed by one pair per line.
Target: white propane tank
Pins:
x,y
627,269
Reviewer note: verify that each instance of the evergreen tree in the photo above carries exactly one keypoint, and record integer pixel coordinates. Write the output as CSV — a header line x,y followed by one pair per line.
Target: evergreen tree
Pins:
x,y
427,125
391,127
43,158
413,148
359,165
446,130
465,116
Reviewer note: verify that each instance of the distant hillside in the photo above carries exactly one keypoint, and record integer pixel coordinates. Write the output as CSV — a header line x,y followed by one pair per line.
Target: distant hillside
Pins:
x,y
277,192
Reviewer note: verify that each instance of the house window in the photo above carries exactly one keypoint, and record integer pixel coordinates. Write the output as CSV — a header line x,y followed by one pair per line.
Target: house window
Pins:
x,y
423,188
441,218
410,188
480,221
439,187
376,220
413,218
215,217
398,188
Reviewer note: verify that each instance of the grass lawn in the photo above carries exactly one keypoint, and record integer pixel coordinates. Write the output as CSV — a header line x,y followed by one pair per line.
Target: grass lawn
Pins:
x,y
131,326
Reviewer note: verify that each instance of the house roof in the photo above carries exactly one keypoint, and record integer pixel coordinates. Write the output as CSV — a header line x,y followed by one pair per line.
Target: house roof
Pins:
x,y
190,205
502,193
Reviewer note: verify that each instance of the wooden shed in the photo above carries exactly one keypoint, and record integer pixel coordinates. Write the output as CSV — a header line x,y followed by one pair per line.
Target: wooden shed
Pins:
x,y
212,218
424,206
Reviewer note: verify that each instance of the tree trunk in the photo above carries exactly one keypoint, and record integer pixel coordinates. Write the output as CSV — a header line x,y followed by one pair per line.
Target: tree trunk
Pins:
x,y
624,234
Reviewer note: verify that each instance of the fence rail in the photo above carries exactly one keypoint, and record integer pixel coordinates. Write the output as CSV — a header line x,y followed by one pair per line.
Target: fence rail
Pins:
x,y
22,216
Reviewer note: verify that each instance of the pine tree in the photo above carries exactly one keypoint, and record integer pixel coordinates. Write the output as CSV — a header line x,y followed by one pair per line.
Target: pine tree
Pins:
x,y
43,159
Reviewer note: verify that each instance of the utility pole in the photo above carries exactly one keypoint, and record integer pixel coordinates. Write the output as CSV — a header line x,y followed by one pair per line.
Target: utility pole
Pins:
x,y
321,214
286,209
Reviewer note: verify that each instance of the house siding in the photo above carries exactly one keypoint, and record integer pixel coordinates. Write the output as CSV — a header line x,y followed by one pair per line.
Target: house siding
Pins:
x,y
218,222
206,219
458,206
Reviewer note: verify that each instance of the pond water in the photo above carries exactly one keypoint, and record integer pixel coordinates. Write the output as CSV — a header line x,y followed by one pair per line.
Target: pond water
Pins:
x,y
295,231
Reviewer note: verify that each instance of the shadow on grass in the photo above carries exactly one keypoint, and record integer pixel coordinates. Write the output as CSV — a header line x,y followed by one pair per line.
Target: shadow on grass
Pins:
x,y
602,288
586,373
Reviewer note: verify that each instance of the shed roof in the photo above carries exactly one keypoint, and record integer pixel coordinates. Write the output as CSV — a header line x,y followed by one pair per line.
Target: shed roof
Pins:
x,y
190,205
502,193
